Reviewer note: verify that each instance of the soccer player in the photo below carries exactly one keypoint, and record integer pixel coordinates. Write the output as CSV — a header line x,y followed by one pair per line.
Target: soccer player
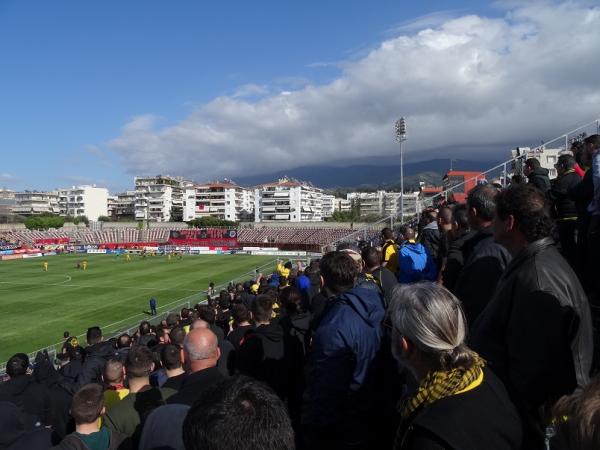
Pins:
x,y
45,265
169,257
84,265
127,257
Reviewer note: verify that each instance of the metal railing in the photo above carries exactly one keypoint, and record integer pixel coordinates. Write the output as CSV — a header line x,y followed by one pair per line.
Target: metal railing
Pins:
x,y
501,171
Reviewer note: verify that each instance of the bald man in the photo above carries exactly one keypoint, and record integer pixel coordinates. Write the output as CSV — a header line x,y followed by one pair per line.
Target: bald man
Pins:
x,y
200,356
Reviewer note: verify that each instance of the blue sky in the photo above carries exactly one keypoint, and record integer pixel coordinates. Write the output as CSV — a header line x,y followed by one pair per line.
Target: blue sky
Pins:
x,y
90,89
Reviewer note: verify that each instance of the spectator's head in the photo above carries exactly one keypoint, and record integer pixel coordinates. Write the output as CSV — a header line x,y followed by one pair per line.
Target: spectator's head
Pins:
x,y
139,363
74,353
564,164
530,165
408,234
124,341
224,300
387,234
200,349
239,287
521,217
429,215
445,218
292,300
481,204
88,404
371,257
428,328
94,335
240,314
17,365
170,357
66,335
262,309
198,324
207,313
339,272
288,265
144,328
461,219
581,429
172,320
238,413
114,372
518,179
176,336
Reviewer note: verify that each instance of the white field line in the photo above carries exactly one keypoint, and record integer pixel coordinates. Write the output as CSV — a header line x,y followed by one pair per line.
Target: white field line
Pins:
x,y
179,301
61,284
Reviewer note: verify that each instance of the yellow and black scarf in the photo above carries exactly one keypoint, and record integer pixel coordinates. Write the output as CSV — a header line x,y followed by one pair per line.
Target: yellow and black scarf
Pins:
x,y
441,384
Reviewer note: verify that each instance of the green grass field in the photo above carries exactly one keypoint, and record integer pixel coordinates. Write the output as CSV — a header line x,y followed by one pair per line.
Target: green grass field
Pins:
x,y
37,306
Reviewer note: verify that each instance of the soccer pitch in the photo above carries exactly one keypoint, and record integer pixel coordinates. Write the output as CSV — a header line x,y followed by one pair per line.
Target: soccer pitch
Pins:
x,y
37,306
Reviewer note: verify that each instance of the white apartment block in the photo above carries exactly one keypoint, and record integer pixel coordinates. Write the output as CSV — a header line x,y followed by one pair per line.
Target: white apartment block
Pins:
x,y
342,204
382,203
89,201
328,205
121,205
161,198
224,200
32,203
288,201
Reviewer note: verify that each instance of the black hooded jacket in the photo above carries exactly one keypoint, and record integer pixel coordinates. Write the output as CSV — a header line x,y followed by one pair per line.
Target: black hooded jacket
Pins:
x,y
94,361
14,434
539,178
31,398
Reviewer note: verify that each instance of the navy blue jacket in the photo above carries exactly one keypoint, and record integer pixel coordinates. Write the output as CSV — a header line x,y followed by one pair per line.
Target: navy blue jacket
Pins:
x,y
341,362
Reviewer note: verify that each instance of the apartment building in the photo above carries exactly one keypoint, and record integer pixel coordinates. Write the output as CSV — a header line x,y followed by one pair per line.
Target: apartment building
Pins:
x,y
121,205
89,201
163,198
288,200
224,200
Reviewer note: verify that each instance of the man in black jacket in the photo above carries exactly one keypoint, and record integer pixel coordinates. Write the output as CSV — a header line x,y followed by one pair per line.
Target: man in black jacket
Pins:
x,y
537,175
262,351
485,260
430,235
31,398
536,332
96,354
564,208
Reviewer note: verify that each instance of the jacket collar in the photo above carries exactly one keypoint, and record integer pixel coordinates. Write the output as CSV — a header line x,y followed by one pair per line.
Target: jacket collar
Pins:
x,y
528,252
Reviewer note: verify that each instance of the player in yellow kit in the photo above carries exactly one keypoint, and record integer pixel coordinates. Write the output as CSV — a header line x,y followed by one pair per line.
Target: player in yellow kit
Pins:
x,y
127,257
84,265
45,265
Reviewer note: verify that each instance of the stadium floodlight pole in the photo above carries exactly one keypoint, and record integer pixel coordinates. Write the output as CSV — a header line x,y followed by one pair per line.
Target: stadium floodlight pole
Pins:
x,y
401,137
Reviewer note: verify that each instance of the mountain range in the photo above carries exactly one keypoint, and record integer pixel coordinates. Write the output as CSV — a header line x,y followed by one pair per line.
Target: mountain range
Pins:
x,y
377,174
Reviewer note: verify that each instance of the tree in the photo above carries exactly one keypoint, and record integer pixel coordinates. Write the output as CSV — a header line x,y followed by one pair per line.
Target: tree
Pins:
x,y
209,221
81,219
43,222
104,219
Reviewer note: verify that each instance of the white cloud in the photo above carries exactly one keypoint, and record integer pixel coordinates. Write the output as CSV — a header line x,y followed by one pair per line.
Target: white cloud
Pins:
x,y
470,80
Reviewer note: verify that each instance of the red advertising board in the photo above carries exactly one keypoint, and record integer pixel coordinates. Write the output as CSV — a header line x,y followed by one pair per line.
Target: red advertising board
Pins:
x,y
52,241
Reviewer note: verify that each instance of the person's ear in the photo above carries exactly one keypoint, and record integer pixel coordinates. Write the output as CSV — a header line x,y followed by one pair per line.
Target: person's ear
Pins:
x,y
103,412
511,223
406,346
218,353
152,367
322,282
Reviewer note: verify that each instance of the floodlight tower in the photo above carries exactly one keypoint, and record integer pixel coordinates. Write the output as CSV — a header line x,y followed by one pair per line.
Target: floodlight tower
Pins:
x,y
401,137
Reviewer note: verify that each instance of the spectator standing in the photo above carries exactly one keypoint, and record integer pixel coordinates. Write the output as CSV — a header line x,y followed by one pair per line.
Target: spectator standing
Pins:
x,y
485,260
564,209
147,338
96,354
338,401
459,403
87,408
200,356
372,258
261,354
241,325
114,379
21,390
593,147
461,232
15,434
171,361
430,235
128,415
536,332
414,260
537,175
389,250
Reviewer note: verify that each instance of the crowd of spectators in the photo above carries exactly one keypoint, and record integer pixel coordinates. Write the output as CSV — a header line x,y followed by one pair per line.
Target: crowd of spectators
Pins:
x,y
472,330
